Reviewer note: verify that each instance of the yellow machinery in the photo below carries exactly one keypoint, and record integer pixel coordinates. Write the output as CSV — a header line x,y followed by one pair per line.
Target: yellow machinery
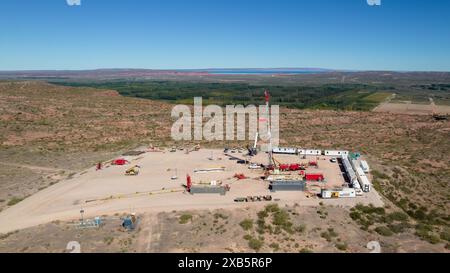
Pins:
x,y
335,195
133,170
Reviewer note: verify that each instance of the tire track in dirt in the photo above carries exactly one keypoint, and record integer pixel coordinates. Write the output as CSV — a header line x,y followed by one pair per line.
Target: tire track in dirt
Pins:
x,y
35,168
149,235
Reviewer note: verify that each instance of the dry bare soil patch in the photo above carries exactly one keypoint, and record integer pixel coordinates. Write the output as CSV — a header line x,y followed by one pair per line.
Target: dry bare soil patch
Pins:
x,y
270,228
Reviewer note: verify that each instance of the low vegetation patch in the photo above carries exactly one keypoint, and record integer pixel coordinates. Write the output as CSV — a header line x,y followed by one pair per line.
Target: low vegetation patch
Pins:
x,y
247,224
185,218
376,219
15,200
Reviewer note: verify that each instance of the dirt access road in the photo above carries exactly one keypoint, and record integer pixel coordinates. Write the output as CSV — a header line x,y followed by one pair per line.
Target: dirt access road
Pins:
x,y
410,108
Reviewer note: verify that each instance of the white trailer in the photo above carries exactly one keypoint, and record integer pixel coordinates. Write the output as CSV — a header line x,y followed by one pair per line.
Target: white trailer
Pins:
x,y
349,170
343,193
365,166
336,153
314,152
354,163
363,180
280,150
360,172
365,183
356,185
347,193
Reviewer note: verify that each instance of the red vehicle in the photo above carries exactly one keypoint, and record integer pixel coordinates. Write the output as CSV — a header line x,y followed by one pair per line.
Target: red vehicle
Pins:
x,y
240,176
284,167
294,167
119,162
314,177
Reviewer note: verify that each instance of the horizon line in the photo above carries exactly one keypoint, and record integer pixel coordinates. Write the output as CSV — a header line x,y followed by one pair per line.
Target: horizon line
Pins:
x,y
226,68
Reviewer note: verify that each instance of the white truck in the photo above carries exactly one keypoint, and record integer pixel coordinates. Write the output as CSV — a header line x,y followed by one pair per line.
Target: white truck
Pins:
x,y
363,180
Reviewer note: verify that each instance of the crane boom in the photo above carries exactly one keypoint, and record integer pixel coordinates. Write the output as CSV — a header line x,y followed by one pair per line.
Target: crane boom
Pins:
x,y
256,140
269,152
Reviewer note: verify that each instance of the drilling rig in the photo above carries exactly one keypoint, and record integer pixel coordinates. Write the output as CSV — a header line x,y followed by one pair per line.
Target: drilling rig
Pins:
x,y
270,164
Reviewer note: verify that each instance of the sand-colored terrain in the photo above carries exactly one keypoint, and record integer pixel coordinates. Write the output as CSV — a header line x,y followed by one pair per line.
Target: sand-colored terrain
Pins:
x,y
77,127
109,191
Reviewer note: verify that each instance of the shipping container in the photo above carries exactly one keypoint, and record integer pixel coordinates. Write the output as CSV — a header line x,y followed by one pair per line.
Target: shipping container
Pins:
x,y
200,189
287,185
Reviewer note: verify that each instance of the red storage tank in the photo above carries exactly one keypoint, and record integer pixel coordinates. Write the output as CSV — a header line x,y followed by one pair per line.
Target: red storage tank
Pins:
x,y
314,177
188,182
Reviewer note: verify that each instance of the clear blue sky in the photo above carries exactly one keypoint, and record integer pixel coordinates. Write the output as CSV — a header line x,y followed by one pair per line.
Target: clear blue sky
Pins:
x,y
163,34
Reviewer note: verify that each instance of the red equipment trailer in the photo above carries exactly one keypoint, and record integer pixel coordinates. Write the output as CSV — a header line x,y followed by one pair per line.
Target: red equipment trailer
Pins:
x,y
314,177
